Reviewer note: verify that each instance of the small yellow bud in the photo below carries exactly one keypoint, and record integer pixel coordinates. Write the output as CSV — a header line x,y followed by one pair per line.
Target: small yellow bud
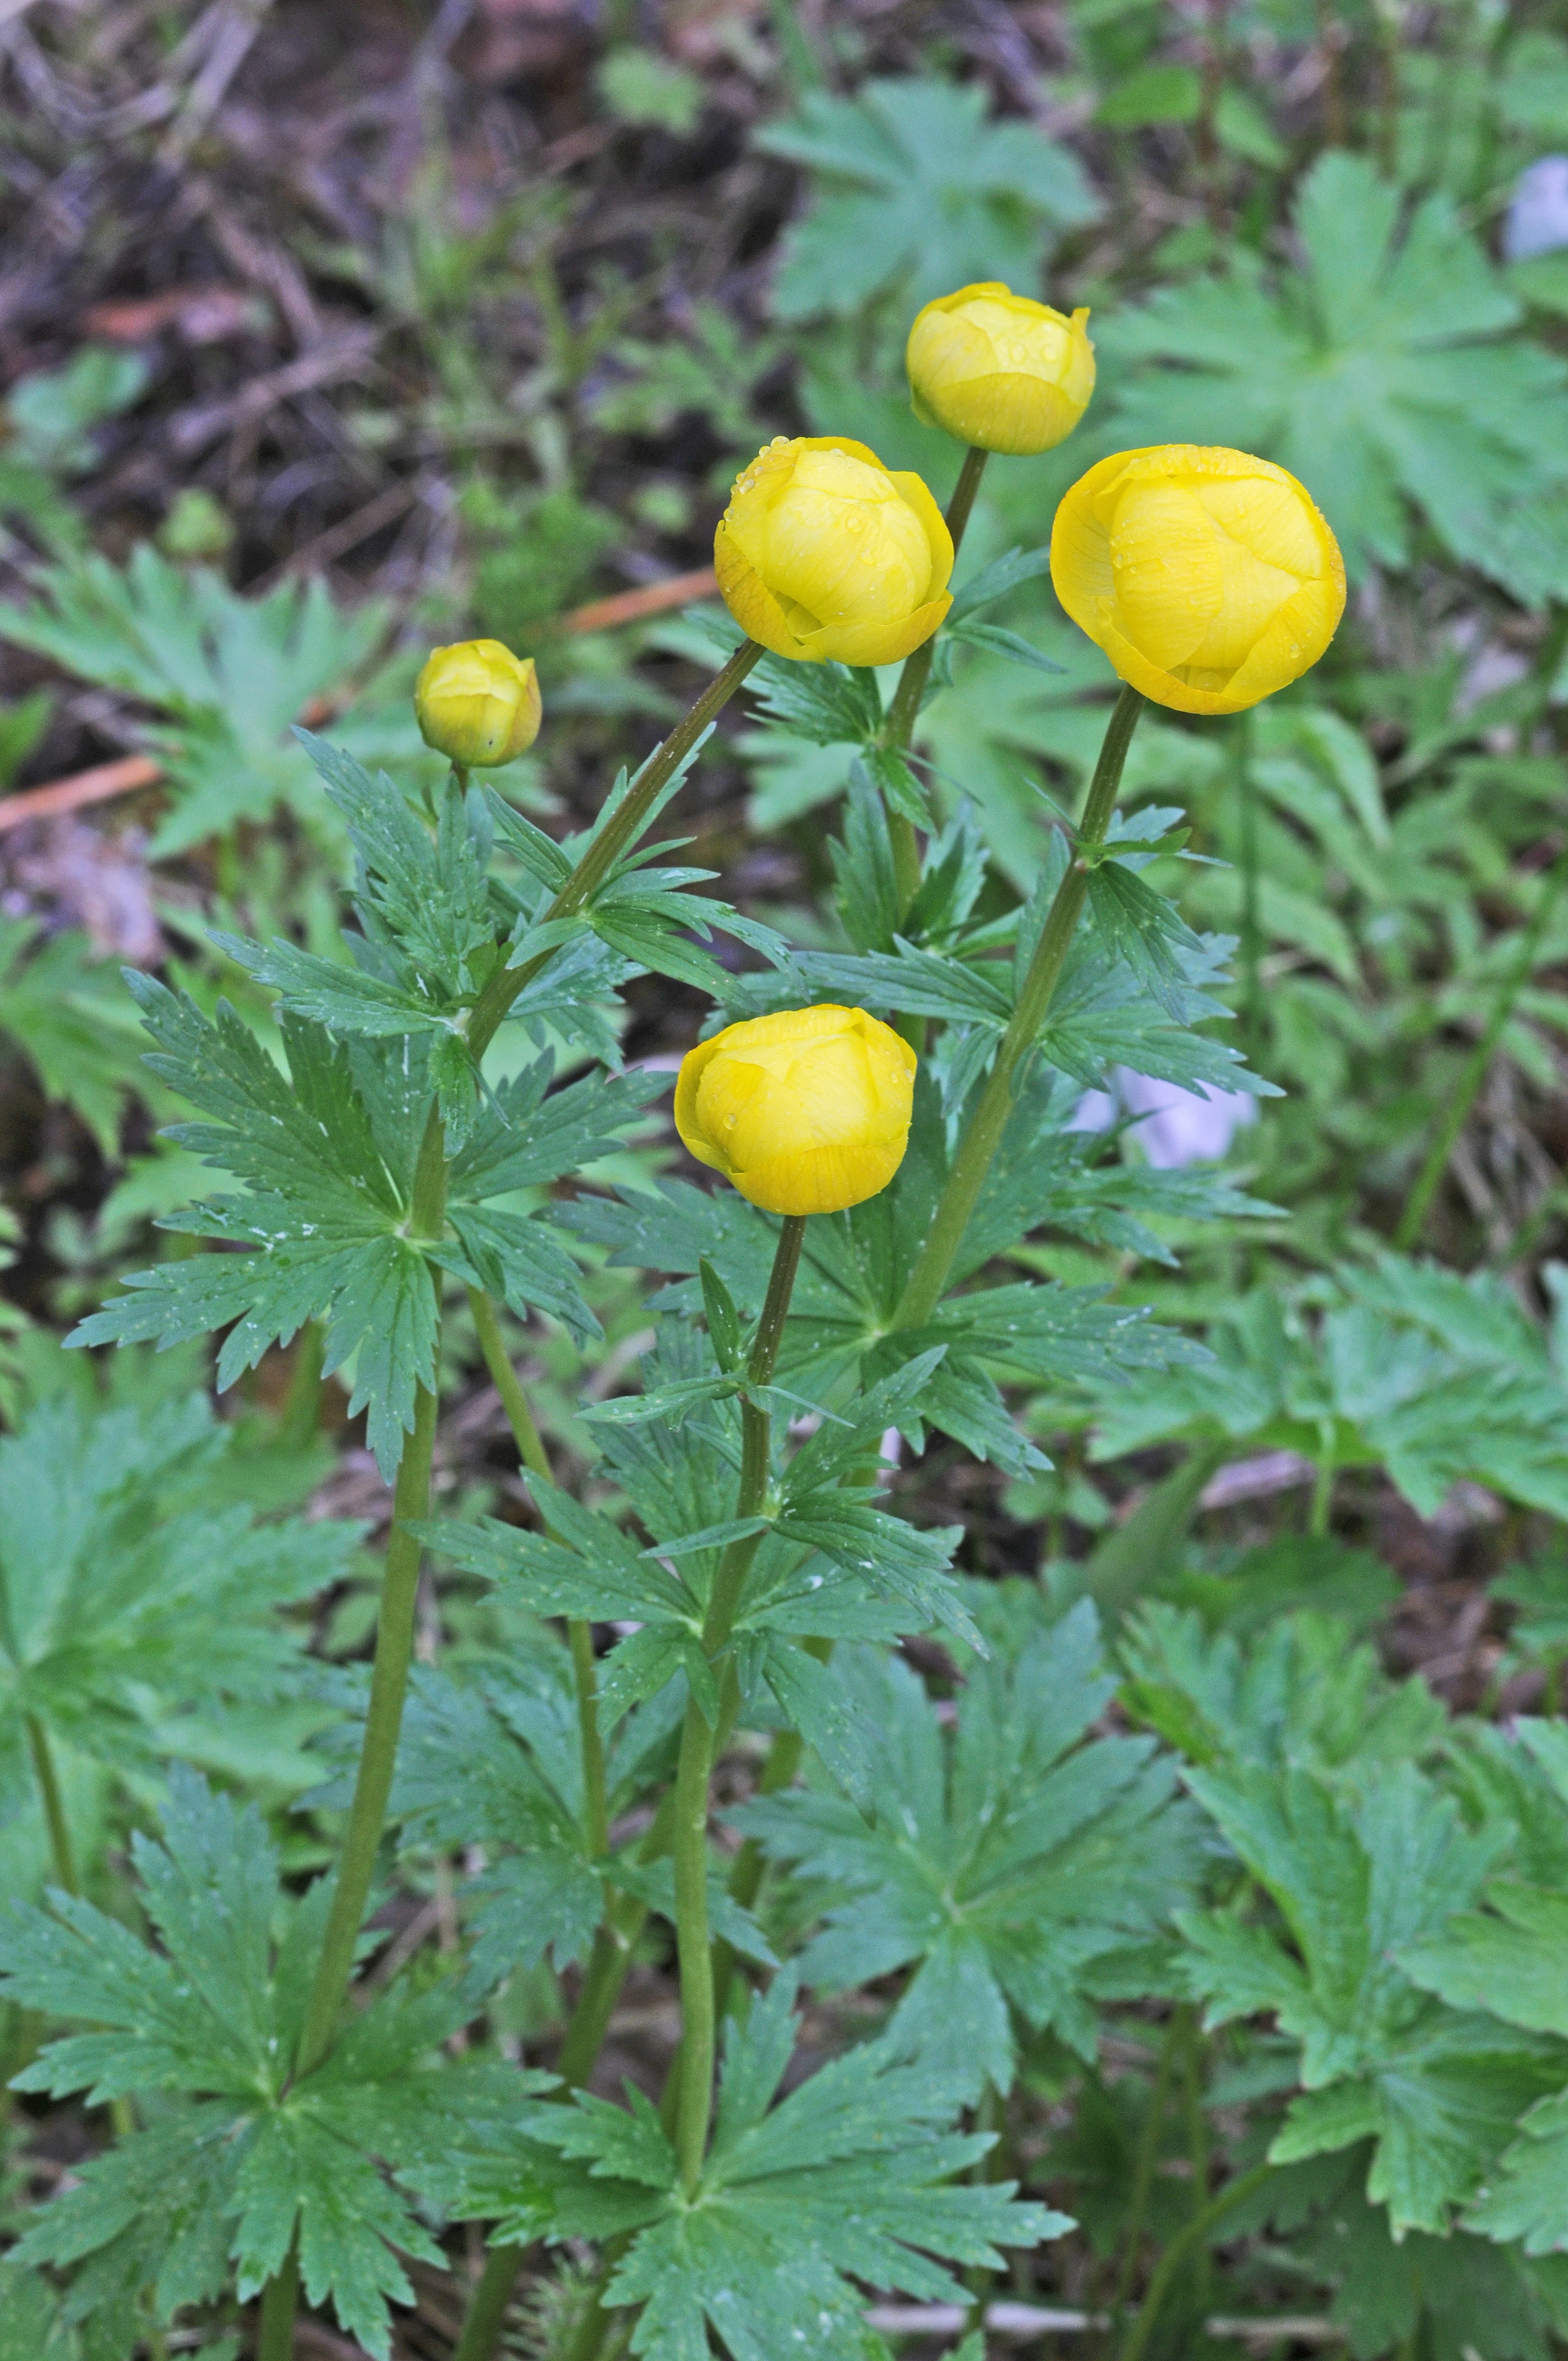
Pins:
x,y
1209,577
477,704
824,553
805,1112
999,370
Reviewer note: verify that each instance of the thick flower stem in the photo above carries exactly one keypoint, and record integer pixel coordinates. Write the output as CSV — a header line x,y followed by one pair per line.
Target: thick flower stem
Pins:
x,y
372,1785
275,2333
700,1743
904,711
303,1403
924,1290
612,840
488,2301
1195,2231
61,1849
378,1753
1142,2171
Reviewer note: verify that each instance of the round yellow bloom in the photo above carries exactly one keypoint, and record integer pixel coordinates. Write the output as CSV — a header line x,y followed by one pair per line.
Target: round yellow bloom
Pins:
x,y
805,1112
825,554
999,370
1209,577
477,704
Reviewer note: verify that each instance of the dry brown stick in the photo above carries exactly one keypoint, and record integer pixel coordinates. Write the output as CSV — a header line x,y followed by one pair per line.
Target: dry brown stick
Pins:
x,y
94,786
631,606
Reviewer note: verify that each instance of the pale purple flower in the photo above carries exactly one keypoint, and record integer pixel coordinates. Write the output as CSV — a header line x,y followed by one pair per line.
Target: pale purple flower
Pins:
x,y
1537,221
1174,1127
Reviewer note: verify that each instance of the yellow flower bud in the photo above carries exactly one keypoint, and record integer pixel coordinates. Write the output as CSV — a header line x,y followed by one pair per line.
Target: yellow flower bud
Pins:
x,y
1210,579
998,370
805,1112
825,554
477,704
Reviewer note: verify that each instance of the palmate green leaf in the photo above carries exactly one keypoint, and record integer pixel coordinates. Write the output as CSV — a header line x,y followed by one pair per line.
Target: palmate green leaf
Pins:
x,y
1507,1960
1464,2299
1526,2198
467,1774
921,189
434,921
529,1134
1295,1695
1043,1178
430,895
583,1564
154,2212
1378,374
884,1553
1143,930
214,2018
327,1154
230,674
998,1860
1430,1374
73,1021
133,1586
33,2326
1438,2092
1517,1778
848,2179
501,1766
1102,1015
321,1222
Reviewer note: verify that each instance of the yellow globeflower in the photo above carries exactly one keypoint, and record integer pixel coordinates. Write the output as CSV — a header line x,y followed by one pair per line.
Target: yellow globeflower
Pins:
x,y
805,1112
999,370
477,704
1209,577
825,554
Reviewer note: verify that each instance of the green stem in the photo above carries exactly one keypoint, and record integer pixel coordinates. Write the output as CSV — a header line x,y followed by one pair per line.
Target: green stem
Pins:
x,y
59,1843
1195,2230
275,2335
700,1743
488,2301
1196,2133
531,1452
504,1377
905,711
1143,2172
1463,1099
611,841
1246,800
302,1404
602,1978
923,1292
378,1753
